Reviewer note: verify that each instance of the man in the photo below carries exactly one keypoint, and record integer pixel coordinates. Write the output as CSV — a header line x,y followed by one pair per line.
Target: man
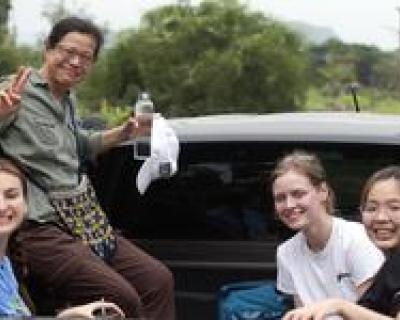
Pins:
x,y
38,131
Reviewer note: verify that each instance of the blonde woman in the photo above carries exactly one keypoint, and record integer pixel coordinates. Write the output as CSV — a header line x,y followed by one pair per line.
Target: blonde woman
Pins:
x,y
380,210
328,256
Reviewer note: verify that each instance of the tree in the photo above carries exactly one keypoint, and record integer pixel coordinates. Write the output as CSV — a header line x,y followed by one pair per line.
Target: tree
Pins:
x,y
337,62
386,73
55,11
212,58
5,7
8,53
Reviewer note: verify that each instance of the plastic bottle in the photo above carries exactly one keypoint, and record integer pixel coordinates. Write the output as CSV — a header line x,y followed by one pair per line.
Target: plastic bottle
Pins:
x,y
144,111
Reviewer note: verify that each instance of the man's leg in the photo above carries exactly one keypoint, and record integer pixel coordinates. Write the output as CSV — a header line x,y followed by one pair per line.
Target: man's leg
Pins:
x,y
75,275
152,280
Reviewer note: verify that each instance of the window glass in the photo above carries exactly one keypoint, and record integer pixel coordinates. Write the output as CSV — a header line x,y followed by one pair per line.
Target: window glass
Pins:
x,y
222,190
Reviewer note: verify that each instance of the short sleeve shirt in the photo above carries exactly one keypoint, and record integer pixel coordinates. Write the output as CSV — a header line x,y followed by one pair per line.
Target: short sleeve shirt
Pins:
x,y
348,259
11,303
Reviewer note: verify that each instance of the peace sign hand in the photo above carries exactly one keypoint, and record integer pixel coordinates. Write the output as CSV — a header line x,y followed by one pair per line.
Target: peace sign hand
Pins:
x,y
11,96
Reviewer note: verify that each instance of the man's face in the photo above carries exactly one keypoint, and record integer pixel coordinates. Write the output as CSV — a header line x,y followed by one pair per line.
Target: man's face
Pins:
x,y
70,60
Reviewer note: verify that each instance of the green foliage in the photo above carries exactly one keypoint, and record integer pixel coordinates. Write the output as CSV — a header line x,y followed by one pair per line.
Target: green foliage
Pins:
x,y
369,100
28,55
114,114
9,59
213,58
12,56
5,7
386,73
218,57
336,65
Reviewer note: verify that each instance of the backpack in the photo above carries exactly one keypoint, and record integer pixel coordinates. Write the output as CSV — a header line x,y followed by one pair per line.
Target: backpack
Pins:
x,y
252,300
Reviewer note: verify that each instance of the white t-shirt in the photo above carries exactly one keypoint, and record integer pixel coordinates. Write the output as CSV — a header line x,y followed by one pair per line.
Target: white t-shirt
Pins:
x,y
348,259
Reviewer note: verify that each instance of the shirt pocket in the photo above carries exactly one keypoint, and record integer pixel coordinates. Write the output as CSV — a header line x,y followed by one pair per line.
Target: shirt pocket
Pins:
x,y
45,133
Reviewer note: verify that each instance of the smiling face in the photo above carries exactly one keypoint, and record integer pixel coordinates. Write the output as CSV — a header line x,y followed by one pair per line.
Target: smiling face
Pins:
x,y
381,213
69,61
13,206
297,201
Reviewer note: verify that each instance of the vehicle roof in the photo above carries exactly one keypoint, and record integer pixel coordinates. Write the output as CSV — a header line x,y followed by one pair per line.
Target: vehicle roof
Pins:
x,y
303,127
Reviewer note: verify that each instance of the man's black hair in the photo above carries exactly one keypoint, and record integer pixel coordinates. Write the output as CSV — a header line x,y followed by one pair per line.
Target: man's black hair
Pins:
x,y
74,24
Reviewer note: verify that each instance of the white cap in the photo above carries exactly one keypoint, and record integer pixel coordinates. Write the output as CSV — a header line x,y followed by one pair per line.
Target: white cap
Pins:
x,y
163,162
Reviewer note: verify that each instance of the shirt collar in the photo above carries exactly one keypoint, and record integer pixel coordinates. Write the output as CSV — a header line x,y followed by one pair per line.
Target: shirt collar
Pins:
x,y
38,80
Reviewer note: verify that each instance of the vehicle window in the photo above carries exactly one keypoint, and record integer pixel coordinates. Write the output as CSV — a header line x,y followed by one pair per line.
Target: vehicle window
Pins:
x,y
222,190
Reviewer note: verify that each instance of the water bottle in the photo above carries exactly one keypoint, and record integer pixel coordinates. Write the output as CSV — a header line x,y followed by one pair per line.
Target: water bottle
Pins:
x,y
144,111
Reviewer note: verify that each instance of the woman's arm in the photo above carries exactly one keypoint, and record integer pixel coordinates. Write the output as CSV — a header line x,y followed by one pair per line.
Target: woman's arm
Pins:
x,y
363,287
330,307
297,301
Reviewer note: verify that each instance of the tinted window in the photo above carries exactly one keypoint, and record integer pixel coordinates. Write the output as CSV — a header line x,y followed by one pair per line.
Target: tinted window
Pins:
x,y
221,191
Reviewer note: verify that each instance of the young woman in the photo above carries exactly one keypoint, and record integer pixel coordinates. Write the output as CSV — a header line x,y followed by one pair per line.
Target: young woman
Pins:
x,y
328,256
380,210
13,209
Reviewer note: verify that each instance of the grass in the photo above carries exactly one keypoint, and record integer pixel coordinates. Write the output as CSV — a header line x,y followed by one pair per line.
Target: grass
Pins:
x,y
370,100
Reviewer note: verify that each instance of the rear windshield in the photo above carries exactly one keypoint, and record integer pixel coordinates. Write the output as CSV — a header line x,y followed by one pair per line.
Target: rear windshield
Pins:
x,y
222,190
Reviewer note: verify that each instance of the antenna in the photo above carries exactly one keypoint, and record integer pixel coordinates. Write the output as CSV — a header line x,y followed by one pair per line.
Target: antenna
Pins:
x,y
353,88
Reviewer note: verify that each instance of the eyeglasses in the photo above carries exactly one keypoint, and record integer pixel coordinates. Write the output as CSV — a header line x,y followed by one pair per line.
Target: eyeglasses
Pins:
x,y
69,53
391,209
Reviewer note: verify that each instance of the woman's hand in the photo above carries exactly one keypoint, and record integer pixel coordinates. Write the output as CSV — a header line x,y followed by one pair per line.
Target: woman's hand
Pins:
x,y
92,310
317,311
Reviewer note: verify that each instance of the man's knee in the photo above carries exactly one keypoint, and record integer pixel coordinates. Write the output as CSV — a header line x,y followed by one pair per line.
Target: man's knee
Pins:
x,y
166,278
162,278
126,297
159,302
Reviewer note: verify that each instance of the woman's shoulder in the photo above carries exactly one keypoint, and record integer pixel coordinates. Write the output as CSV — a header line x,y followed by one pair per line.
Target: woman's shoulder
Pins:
x,y
392,262
350,229
291,244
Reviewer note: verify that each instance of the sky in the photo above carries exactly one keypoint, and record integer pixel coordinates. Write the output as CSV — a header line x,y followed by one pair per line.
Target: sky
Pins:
x,y
370,22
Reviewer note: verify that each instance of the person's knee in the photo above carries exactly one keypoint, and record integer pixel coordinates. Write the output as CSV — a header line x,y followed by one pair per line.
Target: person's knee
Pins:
x,y
126,297
158,297
163,278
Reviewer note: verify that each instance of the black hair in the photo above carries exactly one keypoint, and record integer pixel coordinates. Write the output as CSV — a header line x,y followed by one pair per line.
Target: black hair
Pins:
x,y
74,24
387,173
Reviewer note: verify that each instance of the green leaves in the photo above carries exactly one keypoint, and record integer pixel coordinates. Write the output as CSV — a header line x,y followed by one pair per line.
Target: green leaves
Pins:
x,y
213,58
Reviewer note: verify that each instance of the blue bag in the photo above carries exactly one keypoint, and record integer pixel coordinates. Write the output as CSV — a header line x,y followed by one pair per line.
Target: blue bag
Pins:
x,y
252,300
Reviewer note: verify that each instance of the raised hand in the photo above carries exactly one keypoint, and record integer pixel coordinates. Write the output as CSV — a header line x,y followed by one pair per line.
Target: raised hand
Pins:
x,y
11,96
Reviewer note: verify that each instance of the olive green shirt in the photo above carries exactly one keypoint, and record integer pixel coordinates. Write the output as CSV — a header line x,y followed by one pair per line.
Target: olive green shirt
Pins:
x,y
40,137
